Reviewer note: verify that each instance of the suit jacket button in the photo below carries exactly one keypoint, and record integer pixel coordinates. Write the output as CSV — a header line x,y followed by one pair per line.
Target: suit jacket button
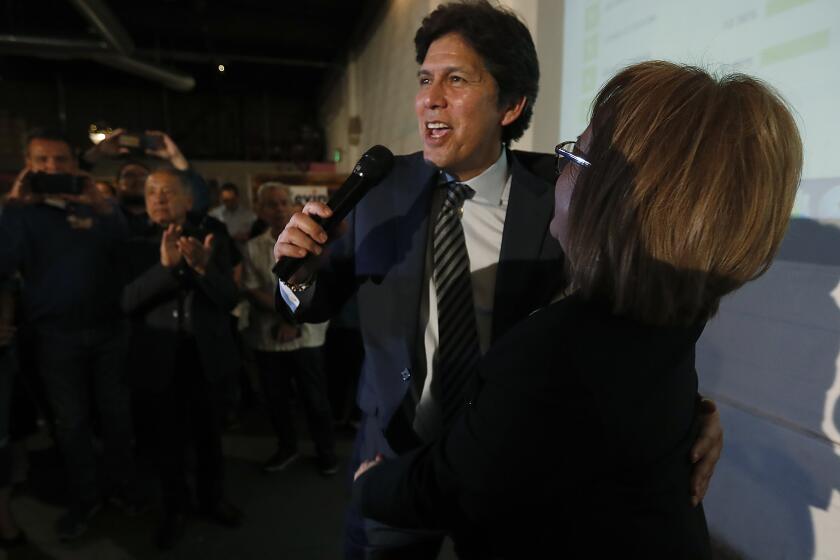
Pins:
x,y
405,374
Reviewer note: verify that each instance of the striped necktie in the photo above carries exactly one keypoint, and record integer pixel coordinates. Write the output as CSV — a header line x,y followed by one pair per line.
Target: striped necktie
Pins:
x,y
458,349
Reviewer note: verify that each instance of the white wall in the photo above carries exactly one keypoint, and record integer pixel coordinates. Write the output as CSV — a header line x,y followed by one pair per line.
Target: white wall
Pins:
x,y
379,82
378,85
770,359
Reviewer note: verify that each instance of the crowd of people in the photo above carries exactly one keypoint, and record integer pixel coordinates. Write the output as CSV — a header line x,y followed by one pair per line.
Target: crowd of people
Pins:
x,y
122,313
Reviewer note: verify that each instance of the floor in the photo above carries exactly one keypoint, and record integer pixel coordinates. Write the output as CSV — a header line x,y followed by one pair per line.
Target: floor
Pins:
x,y
295,514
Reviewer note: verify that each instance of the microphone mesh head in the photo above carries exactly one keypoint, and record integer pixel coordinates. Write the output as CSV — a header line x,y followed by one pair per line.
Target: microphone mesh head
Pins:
x,y
375,163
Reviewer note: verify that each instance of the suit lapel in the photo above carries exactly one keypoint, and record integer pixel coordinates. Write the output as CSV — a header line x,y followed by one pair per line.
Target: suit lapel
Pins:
x,y
412,199
530,207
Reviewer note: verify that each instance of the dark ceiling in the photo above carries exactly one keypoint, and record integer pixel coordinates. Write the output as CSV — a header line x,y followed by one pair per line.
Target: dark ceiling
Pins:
x,y
277,57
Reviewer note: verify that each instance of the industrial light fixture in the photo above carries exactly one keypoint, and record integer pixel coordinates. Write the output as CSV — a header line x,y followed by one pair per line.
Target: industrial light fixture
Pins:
x,y
97,132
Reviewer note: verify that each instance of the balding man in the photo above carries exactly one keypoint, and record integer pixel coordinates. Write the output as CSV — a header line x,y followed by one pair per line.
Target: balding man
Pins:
x,y
182,351
284,351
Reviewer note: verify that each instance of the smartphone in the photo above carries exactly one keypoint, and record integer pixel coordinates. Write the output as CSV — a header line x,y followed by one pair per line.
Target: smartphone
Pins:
x,y
52,183
140,142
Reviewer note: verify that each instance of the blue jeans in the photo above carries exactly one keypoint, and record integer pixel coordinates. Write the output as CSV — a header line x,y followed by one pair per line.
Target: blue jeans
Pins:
x,y
71,363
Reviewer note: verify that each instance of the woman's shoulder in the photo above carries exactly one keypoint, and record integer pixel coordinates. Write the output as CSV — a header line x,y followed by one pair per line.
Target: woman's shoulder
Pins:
x,y
573,336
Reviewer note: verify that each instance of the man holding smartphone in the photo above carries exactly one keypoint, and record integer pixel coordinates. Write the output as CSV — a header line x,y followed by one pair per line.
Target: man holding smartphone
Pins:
x,y
135,148
65,247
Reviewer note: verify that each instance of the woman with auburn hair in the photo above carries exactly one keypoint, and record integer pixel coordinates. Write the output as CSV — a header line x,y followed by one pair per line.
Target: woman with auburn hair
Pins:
x,y
576,438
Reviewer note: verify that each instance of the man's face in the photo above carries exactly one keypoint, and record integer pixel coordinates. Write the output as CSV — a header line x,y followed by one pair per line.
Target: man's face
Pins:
x,y
49,156
276,208
167,200
457,109
106,190
230,199
132,181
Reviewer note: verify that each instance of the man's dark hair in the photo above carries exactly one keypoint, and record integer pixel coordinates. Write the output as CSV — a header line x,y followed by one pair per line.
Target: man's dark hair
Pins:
x,y
504,44
230,187
45,133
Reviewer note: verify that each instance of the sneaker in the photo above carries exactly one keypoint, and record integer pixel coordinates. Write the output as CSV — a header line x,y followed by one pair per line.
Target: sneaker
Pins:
x,y
74,522
328,466
279,461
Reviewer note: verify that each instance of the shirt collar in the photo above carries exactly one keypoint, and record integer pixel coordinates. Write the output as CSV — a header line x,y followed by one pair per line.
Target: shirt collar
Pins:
x,y
490,184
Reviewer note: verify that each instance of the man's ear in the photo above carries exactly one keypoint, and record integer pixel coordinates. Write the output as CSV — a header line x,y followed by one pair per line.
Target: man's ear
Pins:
x,y
514,111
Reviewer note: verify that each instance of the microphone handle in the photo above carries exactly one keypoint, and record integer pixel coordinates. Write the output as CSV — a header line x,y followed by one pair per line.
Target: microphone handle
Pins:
x,y
341,205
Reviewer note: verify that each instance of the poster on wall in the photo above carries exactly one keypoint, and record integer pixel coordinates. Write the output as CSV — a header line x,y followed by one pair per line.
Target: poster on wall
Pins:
x,y
301,194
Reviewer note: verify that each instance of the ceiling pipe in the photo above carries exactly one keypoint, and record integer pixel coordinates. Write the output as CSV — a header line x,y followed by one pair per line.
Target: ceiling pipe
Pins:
x,y
52,44
98,51
106,23
172,80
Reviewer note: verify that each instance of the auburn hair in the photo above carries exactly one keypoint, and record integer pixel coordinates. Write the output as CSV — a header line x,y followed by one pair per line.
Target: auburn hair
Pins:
x,y
689,193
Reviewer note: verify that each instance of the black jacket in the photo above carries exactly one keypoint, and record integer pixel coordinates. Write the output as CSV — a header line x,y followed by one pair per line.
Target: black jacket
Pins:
x,y
166,304
576,443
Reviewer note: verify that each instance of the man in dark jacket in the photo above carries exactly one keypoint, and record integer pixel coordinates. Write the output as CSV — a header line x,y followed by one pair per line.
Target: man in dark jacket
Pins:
x,y
64,245
179,297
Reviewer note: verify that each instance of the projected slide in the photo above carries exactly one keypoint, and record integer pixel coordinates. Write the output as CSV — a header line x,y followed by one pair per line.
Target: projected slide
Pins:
x,y
792,44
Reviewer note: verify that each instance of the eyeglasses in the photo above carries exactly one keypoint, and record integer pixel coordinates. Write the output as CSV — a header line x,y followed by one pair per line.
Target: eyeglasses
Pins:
x,y
565,150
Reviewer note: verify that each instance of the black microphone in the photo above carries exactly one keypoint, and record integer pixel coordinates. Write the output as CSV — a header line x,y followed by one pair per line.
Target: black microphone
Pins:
x,y
370,169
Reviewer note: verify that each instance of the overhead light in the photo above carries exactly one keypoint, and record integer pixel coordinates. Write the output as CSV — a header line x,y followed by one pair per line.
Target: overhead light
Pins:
x,y
97,132
221,67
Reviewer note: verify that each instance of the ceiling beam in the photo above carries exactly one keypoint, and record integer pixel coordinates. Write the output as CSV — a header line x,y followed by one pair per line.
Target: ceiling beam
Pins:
x,y
106,23
98,51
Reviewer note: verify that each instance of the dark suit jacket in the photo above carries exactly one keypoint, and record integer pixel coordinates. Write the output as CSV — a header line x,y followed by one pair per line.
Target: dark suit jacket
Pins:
x,y
383,257
576,442
151,297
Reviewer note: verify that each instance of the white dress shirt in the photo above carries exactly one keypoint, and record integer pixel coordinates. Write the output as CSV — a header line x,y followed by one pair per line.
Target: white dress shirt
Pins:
x,y
483,222
238,221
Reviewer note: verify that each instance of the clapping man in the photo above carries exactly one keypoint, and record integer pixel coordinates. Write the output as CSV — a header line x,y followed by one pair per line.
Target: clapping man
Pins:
x,y
182,351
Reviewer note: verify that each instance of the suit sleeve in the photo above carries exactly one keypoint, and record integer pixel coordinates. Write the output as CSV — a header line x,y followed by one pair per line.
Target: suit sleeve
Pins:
x,y
217,282
335,282
148,286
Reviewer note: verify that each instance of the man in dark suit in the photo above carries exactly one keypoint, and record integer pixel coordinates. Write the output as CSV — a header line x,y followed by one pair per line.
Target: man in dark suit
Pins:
x,y
478,81
182,350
